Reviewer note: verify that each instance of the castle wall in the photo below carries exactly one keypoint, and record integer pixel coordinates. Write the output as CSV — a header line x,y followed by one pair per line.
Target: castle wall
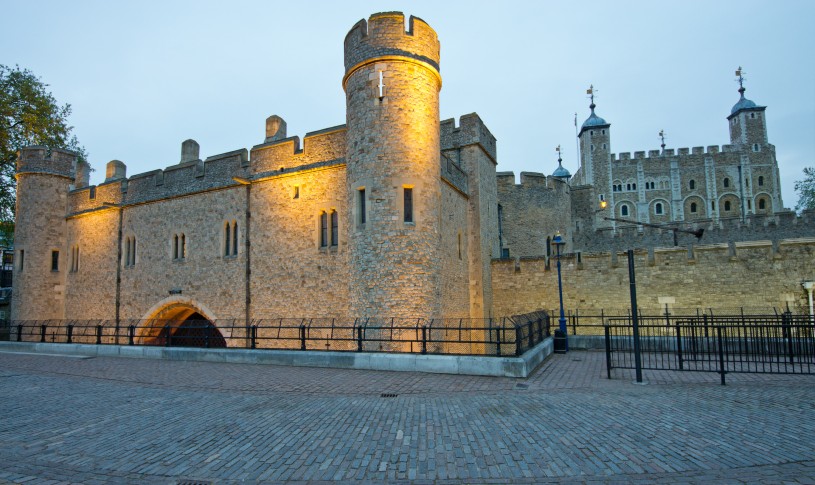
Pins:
x,y
532,212
455,249
753,276
204,275
90,287
292,276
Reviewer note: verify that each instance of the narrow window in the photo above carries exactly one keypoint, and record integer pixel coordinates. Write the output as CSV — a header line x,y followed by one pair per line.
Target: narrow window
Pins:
x,y
323,229
133,252
727,206
408,199
22,260
761,181
234,238
381,85
127,252
624,210
692,184
335,228
627,186
762,204
755,147
604,146
749,205
505,253
54,260
634,186
658,208
361,206
175,246
726,182
227,239
712,205
183,246
693,207
592,147
296,191
92,193
752,116
603,131
459,245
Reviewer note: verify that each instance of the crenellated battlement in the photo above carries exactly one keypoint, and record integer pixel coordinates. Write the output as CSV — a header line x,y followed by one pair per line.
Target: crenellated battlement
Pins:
x,y
44,160
470,131
671,152
383,34
531,181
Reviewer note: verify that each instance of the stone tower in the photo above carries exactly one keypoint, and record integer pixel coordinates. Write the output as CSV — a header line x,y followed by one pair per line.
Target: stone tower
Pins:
x,y
392,85
41,262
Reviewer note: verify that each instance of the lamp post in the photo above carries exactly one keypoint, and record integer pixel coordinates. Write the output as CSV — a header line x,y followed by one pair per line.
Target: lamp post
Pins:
x,y
559,243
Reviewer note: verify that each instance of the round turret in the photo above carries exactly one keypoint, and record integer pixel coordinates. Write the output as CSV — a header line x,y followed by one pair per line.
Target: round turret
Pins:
x,y
43,179
392,85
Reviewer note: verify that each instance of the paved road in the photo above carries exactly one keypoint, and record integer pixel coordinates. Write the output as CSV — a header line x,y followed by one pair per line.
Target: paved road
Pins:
x,y
107,420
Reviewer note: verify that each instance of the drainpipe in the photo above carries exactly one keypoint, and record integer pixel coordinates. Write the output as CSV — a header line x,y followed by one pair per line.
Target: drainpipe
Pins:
x,y
118,267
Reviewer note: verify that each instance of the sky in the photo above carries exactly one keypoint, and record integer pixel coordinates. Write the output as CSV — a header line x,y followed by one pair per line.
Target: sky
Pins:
x,y
144,76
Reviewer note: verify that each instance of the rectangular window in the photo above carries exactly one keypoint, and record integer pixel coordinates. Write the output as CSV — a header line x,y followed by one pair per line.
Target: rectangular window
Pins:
x,y
335,237
22,259
362,215
408,204
54,260
227,240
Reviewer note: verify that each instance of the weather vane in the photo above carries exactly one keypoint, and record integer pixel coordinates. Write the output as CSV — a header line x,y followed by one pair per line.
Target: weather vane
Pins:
x,y
662,137
590,92
740,78
558,154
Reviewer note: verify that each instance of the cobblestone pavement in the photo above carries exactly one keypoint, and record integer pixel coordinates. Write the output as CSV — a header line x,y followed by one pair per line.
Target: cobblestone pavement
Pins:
x,y
107,420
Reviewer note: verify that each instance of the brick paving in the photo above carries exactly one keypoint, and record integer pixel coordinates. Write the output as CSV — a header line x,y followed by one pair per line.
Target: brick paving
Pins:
x,y
108,420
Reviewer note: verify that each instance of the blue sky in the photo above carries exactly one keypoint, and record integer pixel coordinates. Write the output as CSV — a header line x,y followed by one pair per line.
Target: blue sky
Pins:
x,y
144,76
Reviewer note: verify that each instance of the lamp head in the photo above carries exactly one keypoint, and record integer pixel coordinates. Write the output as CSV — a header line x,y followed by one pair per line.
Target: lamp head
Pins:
x,y
558,239
808,285
603,204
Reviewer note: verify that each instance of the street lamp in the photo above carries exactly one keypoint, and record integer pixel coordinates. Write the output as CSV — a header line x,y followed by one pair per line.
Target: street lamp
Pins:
x,y
559,243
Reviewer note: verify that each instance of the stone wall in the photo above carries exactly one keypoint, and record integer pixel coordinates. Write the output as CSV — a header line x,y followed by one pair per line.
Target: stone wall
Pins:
x,y
455,250
747,274
90,286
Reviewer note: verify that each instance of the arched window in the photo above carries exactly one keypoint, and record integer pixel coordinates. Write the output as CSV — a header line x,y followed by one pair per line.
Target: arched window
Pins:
x,y
658,208
727,206
323,229
234,238
227,239
762,204
761,181
624,210
693,208
334,228
179,246
692,184
726,182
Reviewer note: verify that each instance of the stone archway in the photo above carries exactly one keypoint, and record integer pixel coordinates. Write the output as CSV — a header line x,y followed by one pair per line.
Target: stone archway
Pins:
x,y
178,322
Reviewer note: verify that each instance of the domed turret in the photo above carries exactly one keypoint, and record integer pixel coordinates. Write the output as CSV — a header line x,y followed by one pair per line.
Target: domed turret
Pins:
x,y
747,124
560,172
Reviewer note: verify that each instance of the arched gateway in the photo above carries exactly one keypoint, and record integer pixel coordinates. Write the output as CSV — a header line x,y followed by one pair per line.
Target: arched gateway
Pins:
x,y
177,322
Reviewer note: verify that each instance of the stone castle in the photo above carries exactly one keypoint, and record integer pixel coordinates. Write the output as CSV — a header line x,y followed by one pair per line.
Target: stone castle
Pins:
x,y
393,214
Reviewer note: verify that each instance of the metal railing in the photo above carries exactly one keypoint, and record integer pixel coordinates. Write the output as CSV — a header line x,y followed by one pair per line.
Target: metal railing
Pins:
x,y
777,344
591,321
509,336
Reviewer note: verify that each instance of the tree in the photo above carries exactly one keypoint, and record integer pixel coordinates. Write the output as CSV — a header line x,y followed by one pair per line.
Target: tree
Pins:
x,y
29,115
806,190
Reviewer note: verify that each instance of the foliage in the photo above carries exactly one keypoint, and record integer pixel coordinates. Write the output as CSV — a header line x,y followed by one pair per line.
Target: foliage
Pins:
x,y
806,190
29,115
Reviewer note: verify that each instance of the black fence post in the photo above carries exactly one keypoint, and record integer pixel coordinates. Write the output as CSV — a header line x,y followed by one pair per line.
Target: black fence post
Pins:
x,y
302,337
207,331
498,340
608,351
253,335
721,353
785,328
98,335
531,331
167,336
518,342
359,339
131,333
42,333
19,333
679,347
70,334
704,321
424,339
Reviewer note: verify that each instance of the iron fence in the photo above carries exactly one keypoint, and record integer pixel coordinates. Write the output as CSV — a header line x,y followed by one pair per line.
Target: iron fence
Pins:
x,y
777,344
509,336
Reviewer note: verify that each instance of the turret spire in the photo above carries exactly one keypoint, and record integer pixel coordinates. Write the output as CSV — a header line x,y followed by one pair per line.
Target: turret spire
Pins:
x,y
740,73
